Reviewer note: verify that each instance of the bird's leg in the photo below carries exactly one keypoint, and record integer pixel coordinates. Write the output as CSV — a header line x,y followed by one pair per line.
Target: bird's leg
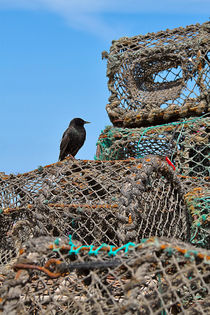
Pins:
x,y
71,157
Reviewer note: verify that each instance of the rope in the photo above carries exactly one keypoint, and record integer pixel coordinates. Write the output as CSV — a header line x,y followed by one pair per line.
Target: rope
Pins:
x,y
169,124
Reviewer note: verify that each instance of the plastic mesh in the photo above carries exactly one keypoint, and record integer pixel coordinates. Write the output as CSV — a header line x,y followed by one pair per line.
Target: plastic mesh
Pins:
x,y
60,277
159,77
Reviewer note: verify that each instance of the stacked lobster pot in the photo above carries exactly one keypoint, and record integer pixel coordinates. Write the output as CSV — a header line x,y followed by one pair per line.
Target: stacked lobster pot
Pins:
x,y
112,235
159,105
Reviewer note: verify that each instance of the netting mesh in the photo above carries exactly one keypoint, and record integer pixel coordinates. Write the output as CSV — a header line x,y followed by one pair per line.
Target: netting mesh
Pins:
x,y
185,143
159,77
82,219
61,277
112,236
198,203
94,201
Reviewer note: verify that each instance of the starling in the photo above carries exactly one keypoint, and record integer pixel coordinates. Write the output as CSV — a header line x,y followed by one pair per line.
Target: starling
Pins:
x,y
73,138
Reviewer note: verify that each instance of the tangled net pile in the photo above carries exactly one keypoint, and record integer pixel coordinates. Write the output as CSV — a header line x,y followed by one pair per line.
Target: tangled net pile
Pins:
x,y
128,233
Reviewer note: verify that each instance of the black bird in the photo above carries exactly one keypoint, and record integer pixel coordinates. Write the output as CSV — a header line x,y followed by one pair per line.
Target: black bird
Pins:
x,y
73,138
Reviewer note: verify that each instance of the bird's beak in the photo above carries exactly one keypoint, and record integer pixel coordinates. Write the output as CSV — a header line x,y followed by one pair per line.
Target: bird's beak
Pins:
x,y
87,122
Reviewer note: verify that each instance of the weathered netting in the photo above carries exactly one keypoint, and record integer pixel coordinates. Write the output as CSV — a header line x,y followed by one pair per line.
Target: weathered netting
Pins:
x,y
159,77
185,143
69,234
198,203
58,276
94,201
112,236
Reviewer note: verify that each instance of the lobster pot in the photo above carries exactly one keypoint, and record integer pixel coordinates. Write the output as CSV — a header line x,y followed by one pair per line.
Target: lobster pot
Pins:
x,y
96,202
159,77
157,276
185,143
198,204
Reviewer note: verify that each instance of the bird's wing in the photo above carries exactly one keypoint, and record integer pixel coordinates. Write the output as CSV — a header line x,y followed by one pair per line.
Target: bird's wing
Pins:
x,y
64,142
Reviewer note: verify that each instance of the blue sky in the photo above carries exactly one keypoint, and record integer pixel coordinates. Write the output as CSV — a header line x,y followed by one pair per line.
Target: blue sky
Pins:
x,y
51,69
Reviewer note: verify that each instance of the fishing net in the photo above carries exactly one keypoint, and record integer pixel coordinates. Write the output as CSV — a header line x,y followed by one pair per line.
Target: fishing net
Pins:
x,y
198,203
112,236
94,201
159,77
58,276
185,143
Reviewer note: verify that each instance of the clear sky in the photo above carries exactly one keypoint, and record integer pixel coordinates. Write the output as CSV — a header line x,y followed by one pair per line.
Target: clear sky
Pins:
x,y
51,69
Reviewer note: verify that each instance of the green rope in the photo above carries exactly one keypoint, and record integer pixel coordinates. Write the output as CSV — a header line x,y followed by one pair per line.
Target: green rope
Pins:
x,y
201,206
106,142
177,142
169,124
